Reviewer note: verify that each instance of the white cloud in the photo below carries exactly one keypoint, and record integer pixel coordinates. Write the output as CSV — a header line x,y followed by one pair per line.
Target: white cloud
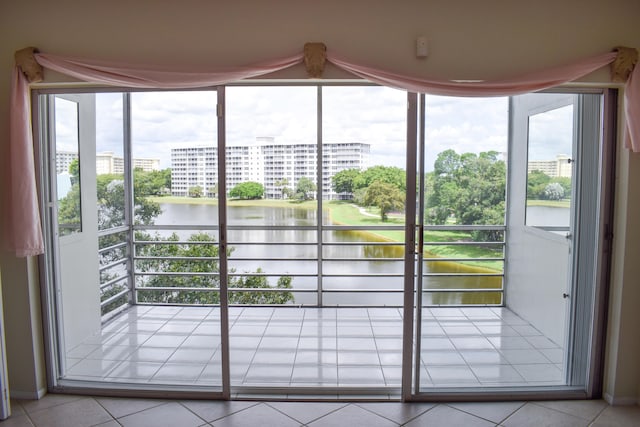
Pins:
x,y
370,114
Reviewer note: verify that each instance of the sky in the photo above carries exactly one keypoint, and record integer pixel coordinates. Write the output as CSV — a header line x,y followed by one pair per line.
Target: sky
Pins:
x,y
367,114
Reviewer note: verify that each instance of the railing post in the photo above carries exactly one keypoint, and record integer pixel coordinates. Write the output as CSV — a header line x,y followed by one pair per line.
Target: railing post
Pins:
x,y
128,195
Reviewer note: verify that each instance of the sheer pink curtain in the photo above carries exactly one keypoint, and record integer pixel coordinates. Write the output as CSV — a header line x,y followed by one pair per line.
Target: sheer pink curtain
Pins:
x,y
155,77
22,230
529,82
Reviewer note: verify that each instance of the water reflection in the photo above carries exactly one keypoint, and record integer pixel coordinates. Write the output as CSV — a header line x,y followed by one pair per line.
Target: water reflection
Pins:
x,y
358,265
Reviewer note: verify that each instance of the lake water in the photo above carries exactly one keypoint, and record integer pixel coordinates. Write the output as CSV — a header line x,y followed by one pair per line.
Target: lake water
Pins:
x,y
367,266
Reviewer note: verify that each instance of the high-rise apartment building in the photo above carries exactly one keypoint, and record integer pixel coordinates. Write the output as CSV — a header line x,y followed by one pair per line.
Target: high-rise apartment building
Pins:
x,y
274,165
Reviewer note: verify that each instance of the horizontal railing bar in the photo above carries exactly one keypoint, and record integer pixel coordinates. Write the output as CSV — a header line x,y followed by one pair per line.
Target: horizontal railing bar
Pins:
x,y
464,227
314,259
231,258
177,304
463,274
114,230
362,227
112,247
273,227
113,264
177,274
207,274
463,290
311,243
461,259
114,297
188,242
552,228
464,243
112,282
176,227
252,274
173,289
281,290
175,258
313,227
185,289
115,311
175,242
362,244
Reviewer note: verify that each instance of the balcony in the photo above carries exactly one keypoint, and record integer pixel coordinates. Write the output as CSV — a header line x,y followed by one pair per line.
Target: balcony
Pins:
x,y
316,347
330,335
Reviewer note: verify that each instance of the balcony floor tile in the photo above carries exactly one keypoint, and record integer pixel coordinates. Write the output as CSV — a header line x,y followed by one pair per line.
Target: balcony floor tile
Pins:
x,y
310,347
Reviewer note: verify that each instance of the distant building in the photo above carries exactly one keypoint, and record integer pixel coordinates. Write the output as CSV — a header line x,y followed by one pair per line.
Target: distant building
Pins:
x,y
560,167
106,162
266,162
64,160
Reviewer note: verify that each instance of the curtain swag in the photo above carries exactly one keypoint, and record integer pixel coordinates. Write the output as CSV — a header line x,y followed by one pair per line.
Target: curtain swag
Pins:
x,y
22,232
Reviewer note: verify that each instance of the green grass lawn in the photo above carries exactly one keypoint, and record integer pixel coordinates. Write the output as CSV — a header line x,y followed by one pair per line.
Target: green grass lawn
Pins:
x,y
346,213
550,203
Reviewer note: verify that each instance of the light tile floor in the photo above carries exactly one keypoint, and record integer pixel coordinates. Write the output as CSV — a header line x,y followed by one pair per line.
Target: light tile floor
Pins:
x,y
82,411
316,347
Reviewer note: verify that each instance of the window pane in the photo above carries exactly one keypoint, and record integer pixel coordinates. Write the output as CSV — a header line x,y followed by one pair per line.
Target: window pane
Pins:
x,y
67,166
549,169
465,160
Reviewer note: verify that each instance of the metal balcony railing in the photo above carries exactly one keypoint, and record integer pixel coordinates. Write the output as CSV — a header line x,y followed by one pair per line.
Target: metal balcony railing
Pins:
x,y
331,265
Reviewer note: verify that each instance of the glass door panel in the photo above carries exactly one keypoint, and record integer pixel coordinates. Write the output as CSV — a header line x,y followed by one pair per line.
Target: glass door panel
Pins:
x,y
364,147
272,186
138,275
497,304
72,142
176,235
462,256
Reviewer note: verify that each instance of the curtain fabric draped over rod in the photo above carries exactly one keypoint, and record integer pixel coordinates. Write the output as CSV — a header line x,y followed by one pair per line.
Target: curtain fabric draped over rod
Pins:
x,y
22,229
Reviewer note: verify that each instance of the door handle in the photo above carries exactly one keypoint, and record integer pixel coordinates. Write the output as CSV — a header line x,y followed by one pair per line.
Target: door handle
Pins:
x,y
565,295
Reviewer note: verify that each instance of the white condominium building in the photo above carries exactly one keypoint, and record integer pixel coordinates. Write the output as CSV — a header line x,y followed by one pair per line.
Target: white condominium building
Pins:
x,y
64,160
107,162
274,165
560,167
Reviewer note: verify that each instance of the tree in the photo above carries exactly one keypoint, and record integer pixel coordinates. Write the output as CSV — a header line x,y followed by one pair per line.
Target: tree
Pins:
x,y
195,191
385,196
469,189
247,190
344,181
212,191
172,257
554,191
537,181
565,182
152,183
304,187
74,171
388,174
282,184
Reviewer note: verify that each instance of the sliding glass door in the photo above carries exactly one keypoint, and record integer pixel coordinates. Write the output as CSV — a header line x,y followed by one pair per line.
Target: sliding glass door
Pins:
x,y
506,273
322,239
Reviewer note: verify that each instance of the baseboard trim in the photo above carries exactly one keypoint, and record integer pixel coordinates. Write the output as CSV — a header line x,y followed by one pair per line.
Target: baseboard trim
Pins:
x,y
27,395
621,400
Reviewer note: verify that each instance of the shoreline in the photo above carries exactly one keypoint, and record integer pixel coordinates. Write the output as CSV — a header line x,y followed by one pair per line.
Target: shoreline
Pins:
x,y
346,213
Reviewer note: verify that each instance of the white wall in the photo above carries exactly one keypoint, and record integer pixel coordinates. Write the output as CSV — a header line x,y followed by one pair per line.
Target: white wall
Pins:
x,y
469,39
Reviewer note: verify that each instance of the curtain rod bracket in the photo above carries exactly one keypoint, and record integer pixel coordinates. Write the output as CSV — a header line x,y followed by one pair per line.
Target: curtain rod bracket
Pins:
x,y
622,66
26,60
315,56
